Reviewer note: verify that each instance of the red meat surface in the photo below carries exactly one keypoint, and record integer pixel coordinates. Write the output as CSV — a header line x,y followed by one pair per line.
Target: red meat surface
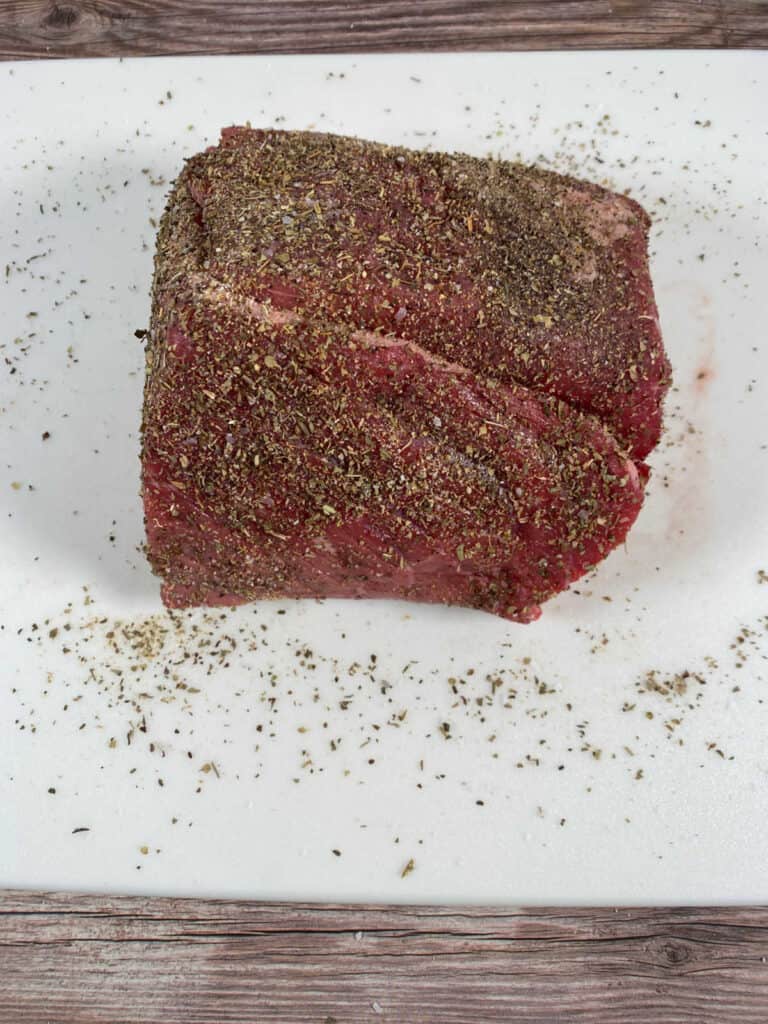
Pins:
x,y
380,373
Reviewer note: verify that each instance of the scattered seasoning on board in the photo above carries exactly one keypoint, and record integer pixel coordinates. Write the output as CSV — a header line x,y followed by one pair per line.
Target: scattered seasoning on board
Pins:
x,y
147,658
131,669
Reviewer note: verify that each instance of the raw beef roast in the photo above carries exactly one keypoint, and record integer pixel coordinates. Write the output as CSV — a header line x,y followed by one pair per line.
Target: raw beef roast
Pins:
x,y
373,372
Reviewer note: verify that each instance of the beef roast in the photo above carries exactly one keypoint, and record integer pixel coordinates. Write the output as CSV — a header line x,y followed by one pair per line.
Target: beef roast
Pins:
x,y
374,372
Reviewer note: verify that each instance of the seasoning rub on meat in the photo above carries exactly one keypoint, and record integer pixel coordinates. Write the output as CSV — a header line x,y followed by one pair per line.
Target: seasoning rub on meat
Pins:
x,y
374,372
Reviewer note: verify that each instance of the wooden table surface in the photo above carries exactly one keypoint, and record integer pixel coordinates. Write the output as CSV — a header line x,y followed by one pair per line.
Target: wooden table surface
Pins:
x,y
100,28
82,960
69,959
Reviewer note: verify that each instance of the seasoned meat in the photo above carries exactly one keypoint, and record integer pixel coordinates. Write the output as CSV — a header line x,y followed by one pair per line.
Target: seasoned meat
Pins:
x,y
380,373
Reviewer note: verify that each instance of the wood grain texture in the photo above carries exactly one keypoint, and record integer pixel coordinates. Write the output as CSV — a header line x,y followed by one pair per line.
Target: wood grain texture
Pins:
x,y
99,28
68,959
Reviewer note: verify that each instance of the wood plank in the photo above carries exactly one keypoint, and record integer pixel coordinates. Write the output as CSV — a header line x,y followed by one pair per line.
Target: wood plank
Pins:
x,y
744,23
98,28
74,959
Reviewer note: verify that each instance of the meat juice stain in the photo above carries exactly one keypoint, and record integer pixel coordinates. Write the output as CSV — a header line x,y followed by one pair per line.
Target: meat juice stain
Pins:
x,y
703,376
701,314
689,521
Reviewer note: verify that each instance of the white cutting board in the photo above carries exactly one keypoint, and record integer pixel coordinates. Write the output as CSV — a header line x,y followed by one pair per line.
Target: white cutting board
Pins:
x,y
535,763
